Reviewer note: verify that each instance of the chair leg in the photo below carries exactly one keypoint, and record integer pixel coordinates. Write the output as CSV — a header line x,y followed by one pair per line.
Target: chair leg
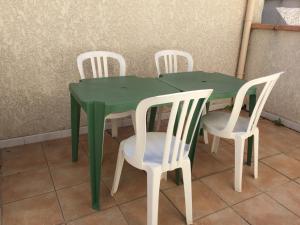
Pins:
x,y
238,170
153,183
215,144
119,166
114,128
205,136
133,121
187,182
256,144
205,133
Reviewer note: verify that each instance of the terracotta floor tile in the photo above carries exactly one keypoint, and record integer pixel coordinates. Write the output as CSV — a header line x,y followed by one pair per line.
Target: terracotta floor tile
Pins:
x,y
111,145
163,126
284,164
70,174
125,132
205,201
265,149
59,141
222,184
267,177
262,210
281,139
135,212
224,217
204,163
20,151
109,165
294,154
22,158
111,216
225,154
229,141
60,153
288,195
170,182
38,210
76,201
131,186
83,137
23,185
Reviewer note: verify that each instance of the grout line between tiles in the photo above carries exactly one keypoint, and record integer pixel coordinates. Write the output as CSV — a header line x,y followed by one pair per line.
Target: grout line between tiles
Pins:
x,y
125,218
128,201
169,200
282,204
268,156
276,170
29,197
90,213
246,199
71,186
61,211
228,205
211,174
245,219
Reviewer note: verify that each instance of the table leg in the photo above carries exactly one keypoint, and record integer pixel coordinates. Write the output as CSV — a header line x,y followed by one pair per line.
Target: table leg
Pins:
x,y
194,144
75,124
96,119
252,102
207,109
192,139
153,111
178,172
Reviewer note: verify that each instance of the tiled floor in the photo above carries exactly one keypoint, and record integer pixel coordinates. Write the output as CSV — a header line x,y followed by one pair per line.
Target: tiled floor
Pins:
x,y
41,186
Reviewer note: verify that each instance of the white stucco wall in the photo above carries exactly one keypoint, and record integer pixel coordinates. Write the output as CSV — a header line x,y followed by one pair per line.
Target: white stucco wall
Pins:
x,y
270,52
41,39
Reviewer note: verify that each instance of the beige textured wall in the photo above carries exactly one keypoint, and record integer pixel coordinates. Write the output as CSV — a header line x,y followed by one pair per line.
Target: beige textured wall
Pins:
x,y
41,39
275,51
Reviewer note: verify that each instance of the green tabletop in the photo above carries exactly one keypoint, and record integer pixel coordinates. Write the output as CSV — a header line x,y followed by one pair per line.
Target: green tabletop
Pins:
x,y
119,94
224,86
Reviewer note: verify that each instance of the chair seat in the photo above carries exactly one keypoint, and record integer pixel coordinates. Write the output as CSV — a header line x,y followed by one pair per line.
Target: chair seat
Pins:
x,y
154,147
217,121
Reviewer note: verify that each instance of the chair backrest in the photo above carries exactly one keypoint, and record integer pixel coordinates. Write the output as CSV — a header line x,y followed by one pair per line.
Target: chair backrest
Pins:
x,y
268,82
186,106
98,60
170,59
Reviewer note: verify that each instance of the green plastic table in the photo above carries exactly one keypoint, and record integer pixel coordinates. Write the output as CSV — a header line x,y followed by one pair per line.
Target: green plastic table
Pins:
x,y
99,97
224,87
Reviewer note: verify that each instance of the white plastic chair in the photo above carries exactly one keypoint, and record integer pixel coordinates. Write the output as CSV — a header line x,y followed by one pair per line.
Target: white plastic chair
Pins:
x,y
159,152
170,66
171,61
230,125
98,61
